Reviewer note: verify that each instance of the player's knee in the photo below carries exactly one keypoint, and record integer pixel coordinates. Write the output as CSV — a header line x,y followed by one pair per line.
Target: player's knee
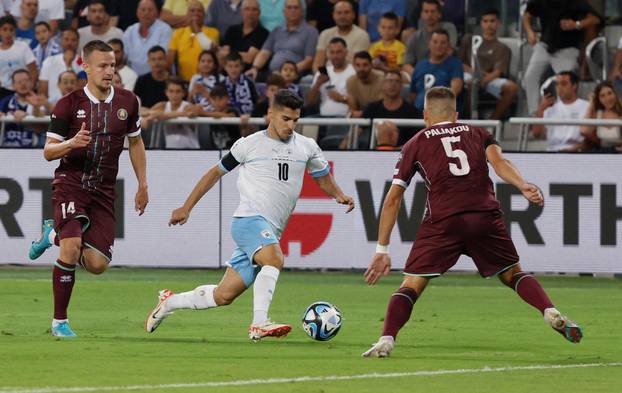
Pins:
x,y
277,262
222,298
416,283
506,276
98,268
270,256
94,264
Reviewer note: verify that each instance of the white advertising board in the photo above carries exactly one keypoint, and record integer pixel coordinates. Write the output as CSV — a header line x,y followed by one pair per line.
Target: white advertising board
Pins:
x,y
577,231
147,240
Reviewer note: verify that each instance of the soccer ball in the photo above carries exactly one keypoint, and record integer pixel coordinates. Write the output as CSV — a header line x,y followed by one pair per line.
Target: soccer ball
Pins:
x,y
321,321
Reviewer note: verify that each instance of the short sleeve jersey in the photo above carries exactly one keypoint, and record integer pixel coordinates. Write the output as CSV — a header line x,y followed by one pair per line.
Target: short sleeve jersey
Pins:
x,y
393,53
451,159
94,168
271,174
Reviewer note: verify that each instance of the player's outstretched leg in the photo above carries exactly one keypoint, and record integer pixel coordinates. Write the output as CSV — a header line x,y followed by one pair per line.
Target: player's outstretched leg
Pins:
x,y
530,290
399,310
38,247
271,260
201,298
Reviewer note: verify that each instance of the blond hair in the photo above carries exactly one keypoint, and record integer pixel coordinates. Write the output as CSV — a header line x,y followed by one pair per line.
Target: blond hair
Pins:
x,y
440,101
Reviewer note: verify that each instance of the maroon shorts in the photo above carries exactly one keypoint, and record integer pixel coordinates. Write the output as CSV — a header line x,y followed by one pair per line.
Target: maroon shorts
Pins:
x,y
480,235
94,211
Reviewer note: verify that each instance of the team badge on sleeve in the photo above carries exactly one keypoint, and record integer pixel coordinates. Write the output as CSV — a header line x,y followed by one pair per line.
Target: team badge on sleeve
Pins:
x,y
122,114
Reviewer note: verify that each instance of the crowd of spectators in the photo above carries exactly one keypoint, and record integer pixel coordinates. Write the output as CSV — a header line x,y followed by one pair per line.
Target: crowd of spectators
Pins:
x,y
365,58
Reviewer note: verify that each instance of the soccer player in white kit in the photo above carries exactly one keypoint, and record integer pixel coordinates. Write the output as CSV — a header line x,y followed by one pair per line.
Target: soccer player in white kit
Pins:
x,y
272,166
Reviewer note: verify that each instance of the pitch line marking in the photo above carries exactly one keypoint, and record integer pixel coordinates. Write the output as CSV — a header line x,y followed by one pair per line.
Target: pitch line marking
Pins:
x,y
269,381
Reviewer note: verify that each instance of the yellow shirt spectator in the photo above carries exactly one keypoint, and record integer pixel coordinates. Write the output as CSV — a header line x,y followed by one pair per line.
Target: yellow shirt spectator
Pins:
x,y
188,47
393,53
180,7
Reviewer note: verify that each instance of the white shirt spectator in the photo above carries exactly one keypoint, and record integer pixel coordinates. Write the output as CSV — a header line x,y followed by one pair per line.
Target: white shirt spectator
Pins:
x,y
565,137
128,77
136,47
180,136
86,35
19,55
329,107
48,10
52,67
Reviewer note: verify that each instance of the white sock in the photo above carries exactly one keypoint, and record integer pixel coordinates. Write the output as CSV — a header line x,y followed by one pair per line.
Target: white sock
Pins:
x,y
56,322
200,298
263,289
52,236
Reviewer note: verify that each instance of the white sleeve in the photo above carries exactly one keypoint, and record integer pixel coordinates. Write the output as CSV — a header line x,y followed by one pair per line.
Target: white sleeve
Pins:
x,y
29,57
15,9
239,150
44,74
317,166
57,11
549,112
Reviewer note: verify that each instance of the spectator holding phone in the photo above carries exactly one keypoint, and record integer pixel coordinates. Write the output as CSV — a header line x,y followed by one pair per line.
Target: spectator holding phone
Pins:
x,y
567,106
329,83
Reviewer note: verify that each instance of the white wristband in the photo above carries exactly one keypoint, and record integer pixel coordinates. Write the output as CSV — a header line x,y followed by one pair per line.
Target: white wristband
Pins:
x,y
380,249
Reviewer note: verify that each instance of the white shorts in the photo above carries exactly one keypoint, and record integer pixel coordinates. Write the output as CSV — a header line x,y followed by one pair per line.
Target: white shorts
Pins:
x,y
494,86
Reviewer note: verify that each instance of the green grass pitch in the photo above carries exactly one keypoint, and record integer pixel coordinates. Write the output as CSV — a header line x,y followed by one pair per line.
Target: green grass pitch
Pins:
x,y
461,322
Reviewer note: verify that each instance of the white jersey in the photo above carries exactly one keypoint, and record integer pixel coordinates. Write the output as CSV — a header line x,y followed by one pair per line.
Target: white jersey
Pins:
x,y
271,174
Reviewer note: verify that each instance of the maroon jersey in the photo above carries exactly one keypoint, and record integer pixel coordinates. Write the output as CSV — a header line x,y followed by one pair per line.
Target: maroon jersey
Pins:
x,y
95,167
451,158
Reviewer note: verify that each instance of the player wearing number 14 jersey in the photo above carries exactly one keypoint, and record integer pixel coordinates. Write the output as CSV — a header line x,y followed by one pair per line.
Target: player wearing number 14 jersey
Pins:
x,y
462,216
272,164
87,132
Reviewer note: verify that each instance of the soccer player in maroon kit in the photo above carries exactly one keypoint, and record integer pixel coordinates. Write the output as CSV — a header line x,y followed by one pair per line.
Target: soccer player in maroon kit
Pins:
x,y
86,133
462,216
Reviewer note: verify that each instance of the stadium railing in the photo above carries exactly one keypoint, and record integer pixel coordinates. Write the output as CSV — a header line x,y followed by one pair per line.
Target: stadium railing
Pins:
x,y
525,122
522,143
26,120
157,128
493,124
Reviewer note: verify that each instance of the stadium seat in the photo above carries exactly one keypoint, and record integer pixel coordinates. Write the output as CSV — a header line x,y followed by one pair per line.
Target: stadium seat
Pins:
x,y
521,53
596,56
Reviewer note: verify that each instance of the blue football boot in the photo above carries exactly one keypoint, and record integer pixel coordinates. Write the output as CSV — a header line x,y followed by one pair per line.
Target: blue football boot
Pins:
x,y
63,330
38,247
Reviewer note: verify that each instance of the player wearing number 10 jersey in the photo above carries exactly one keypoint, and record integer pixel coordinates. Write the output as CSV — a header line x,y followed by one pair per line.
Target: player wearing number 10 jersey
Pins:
x,y
462,216
272,164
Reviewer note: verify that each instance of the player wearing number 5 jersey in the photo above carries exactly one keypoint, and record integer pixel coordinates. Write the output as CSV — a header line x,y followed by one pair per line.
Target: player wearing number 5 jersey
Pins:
x,y
462,216
87,132
272,166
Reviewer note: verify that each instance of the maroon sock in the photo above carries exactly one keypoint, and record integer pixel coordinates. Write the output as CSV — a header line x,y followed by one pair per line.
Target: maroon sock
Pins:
x,y
529,289
398,312
63,277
